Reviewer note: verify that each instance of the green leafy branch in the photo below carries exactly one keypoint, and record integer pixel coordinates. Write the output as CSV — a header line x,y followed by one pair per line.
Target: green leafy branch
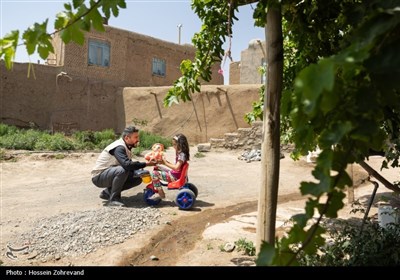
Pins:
x,y
71,23
217,18
344,104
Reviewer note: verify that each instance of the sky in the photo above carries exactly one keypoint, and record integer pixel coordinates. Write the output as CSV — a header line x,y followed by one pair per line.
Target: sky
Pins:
x,y
159,19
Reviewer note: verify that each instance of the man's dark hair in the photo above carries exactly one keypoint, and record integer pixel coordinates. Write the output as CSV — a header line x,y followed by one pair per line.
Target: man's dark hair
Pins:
x,y
129,130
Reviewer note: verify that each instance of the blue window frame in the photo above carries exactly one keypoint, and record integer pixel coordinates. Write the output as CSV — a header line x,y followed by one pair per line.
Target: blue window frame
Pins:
x,y
158,67
99,53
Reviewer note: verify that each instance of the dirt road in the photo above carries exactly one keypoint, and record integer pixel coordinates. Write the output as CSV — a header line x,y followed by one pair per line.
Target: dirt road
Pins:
x,y
41,185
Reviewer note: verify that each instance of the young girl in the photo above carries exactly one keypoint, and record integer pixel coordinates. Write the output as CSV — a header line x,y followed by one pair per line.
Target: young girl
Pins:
x,y
172,171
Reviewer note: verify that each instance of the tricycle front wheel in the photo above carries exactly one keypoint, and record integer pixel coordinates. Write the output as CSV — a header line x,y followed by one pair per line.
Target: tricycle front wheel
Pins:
x,y
146,196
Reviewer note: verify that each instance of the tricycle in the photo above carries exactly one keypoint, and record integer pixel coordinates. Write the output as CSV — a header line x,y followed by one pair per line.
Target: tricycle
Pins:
x,y
187,192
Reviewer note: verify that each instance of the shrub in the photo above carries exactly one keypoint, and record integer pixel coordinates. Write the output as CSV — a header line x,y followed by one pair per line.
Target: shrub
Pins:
x,y
89,140
19,139
374,246
104,136
7,129
246,246
58,142
199,155
31,139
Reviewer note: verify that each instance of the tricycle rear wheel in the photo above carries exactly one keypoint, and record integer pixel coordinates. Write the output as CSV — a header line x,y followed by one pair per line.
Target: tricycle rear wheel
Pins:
x,y
185,199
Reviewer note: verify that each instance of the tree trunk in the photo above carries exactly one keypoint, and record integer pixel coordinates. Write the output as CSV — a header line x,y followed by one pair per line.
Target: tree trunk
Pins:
x,y
270,150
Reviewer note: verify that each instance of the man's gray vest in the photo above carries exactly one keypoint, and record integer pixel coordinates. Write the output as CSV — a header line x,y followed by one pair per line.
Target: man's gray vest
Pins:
x,y
106,159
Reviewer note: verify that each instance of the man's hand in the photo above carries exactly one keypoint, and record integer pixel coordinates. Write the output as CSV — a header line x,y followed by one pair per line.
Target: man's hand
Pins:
x,y
151,162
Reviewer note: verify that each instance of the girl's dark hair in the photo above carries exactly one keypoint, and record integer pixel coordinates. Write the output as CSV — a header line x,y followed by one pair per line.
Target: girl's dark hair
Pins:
x,y
182,144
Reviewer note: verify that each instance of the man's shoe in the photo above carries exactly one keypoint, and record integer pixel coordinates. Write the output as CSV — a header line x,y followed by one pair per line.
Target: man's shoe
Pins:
x,y
115,203
105,194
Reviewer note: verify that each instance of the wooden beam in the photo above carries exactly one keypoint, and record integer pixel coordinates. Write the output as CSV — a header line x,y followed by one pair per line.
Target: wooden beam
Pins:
x,y
379,177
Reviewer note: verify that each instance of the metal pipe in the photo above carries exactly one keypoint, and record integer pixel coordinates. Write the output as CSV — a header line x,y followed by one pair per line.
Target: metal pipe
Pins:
x,y
371,200
179,33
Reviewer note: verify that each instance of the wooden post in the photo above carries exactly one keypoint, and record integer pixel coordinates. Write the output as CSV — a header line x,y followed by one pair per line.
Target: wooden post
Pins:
x,y
229,106
270,147
195,112
158,105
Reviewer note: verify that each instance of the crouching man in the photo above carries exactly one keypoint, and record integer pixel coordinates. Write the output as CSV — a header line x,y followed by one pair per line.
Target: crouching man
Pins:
x,y
114,168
